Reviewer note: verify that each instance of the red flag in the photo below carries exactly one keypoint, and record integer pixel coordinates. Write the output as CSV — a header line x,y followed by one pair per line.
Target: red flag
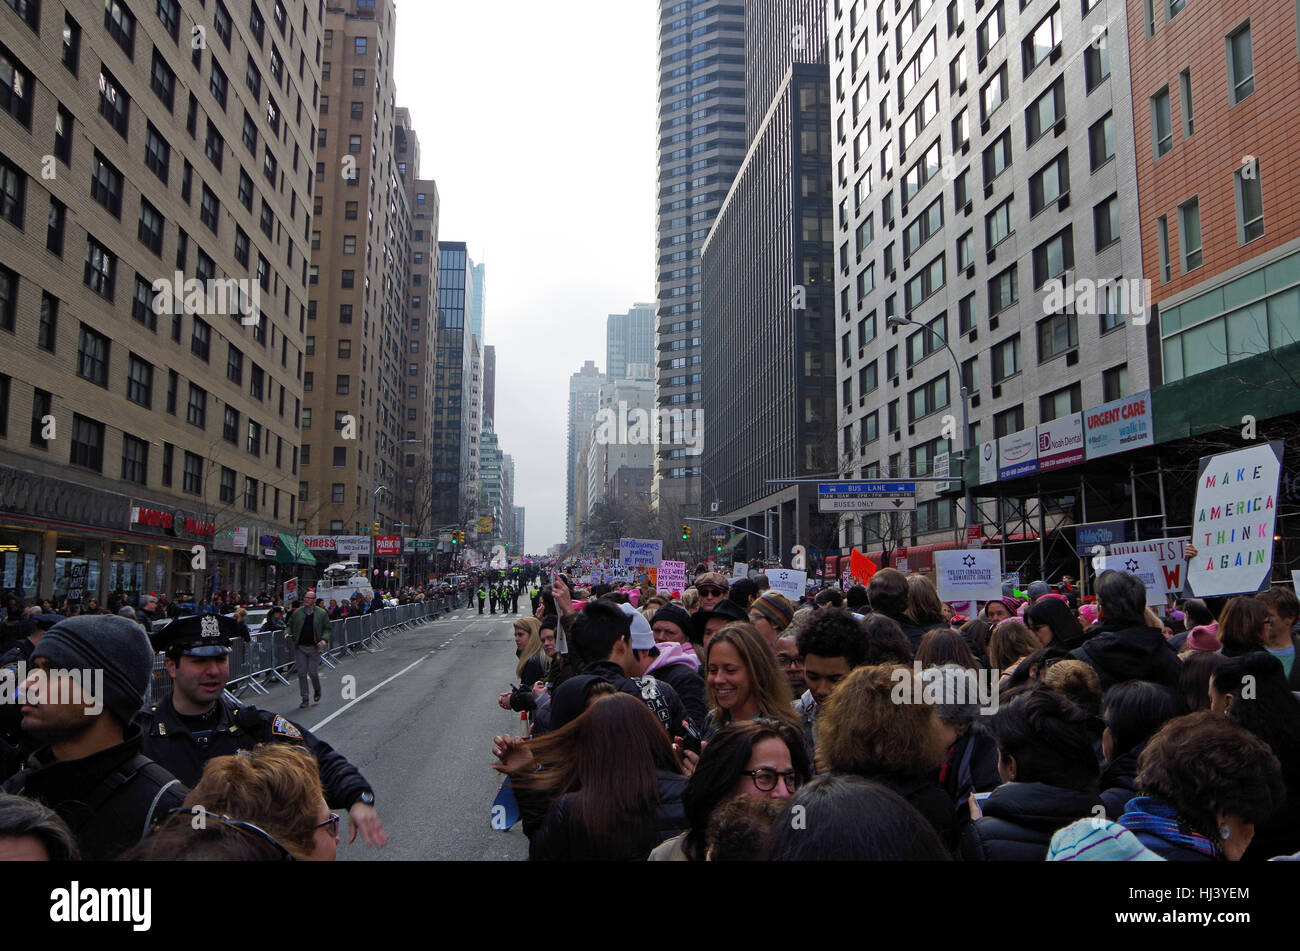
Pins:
x,y
862,567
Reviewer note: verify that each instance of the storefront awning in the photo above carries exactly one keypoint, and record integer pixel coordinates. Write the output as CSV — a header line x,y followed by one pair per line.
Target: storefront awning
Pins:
x,y
293,551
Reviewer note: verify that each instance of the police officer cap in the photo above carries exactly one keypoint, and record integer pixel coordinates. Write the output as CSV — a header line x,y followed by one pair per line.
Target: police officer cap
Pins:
x,y
206,635
46,621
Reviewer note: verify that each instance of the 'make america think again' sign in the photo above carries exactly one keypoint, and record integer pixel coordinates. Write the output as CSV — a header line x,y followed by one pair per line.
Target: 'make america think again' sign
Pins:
x,y
1234,521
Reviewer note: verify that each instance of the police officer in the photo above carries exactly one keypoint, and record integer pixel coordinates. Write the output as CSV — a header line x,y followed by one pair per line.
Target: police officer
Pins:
x,y
197,721
482,595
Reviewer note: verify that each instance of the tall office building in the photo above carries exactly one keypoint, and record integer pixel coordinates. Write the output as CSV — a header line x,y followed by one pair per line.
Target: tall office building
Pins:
x,y
138,419
984,167
478,307
508,502
471,487
489,384
420,337
769,306
520,524
354,428
629,339
701,146
451,401
584,400
491,490
620,436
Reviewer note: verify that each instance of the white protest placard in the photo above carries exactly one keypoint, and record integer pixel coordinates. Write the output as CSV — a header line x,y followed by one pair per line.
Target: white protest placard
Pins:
x,y
1295,580
968,575
672,576
1234,520
640,552
739,570
1145,566
789,583
1170,559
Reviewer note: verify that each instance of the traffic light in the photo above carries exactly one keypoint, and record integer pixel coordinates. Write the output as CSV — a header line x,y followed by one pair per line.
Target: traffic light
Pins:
x,y
686,533
455,538
375,528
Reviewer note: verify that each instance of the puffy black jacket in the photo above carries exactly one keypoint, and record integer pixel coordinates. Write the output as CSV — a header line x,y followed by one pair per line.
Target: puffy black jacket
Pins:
x,y
972,766
561,838
1120,654
1119,782
1020,820
690,689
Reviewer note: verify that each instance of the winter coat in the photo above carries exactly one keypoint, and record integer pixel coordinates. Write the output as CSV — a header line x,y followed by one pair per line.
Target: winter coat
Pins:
x,y
1020,819
971,766
1119,781
676,666
930,801
916,631
561,837
1120,654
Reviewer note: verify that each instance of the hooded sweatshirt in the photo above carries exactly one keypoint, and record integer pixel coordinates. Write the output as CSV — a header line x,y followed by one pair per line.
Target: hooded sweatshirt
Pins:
x,y
677,666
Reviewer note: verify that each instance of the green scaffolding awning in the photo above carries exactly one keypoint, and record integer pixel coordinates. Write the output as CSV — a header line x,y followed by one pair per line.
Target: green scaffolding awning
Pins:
x,y
293,551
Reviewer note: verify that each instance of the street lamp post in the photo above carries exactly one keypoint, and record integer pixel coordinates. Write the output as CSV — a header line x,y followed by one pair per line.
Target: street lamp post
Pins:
x,y
965,413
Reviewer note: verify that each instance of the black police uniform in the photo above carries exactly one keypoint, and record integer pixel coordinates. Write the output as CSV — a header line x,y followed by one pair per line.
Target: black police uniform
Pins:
x,y
110,800
183,745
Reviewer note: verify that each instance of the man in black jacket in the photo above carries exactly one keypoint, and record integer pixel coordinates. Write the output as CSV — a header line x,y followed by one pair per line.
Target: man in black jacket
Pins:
x,y
196,723
1125,648
600,636
90,675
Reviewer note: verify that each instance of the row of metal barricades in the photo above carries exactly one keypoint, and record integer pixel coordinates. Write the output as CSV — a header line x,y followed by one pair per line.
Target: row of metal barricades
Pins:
x,y
268,658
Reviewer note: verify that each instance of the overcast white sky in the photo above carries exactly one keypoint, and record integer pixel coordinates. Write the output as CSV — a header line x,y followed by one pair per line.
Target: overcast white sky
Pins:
x,y
538,121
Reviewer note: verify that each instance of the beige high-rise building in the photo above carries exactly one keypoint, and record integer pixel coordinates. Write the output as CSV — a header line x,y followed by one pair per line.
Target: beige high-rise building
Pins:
x,y
354,432
421,336
149,422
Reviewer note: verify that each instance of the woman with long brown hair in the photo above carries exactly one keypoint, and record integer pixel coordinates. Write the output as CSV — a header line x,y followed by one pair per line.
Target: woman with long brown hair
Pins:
x,y
744,680
613,781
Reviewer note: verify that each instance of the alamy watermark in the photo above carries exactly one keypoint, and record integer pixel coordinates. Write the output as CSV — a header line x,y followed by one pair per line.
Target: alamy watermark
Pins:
x,y
233,297
624,426
1122,298
39,687
947,687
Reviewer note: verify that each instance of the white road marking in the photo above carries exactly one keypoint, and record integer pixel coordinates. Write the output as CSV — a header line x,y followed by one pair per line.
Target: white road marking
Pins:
x,y
347,706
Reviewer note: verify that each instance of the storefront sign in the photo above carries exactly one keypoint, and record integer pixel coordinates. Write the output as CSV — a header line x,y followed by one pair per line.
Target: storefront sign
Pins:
x,y
174,523
1060,443
349,546
1119,426
388,545
239,538
315,543
1018,455
1088,537
988,463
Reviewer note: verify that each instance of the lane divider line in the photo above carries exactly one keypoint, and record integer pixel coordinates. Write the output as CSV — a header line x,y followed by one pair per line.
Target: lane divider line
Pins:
x,y
350,704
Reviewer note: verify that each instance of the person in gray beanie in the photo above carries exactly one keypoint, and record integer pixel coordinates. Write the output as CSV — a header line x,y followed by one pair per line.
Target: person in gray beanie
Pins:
x,y
87,681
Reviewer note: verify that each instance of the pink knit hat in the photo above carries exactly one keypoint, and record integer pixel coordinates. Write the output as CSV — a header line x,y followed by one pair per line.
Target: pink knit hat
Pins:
x,y
1204,638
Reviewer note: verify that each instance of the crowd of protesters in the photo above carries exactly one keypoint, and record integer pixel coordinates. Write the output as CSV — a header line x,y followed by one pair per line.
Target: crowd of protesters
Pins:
x,y
726,723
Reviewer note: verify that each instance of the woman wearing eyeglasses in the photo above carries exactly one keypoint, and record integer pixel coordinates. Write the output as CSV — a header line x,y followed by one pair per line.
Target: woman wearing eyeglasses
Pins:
x,y
747,758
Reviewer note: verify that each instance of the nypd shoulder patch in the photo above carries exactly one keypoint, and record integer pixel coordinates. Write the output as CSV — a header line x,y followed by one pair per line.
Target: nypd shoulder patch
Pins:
x,y
282,727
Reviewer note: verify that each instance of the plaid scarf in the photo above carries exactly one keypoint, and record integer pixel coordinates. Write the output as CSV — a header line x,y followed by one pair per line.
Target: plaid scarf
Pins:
x,y
1159,818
